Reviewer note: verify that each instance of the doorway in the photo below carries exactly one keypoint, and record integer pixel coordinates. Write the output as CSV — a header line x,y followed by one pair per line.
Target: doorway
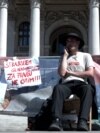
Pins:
x,y
58,39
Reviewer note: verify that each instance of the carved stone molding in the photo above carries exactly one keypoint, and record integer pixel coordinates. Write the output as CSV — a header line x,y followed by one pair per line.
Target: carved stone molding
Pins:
x,y
4,3
79,16
35,3
94,3
43,10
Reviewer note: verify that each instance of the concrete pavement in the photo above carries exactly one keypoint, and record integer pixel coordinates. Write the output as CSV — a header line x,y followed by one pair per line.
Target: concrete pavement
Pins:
x,y
9,123
18,124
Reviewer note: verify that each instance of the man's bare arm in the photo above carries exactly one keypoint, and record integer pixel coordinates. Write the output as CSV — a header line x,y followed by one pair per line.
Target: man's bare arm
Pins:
x,y
63,64
88,73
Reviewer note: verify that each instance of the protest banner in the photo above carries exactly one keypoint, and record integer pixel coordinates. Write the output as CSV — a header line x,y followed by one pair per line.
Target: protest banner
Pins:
x,y
23,100
22,72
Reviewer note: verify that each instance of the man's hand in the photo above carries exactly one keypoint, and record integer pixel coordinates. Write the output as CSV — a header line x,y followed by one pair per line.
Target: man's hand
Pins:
x,y
68,73
63,64
66,52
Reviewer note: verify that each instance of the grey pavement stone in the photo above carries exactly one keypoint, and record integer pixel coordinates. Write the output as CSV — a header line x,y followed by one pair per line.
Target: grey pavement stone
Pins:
x,y
18,124
9,123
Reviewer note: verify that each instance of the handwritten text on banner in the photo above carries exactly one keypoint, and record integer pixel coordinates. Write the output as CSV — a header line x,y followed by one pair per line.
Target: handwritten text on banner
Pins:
x,y
22,72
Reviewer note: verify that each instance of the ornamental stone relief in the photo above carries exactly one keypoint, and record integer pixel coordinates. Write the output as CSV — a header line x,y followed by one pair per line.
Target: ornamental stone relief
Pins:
x,y
64,1
3,3
35,3
43,10
94,3
21,1
12,4
80,16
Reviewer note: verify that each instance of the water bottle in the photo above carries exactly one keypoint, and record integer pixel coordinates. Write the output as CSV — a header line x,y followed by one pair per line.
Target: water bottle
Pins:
x,y
99,114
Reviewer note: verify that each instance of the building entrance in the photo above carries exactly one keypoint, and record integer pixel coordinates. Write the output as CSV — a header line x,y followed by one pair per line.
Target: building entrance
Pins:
x,y
58,40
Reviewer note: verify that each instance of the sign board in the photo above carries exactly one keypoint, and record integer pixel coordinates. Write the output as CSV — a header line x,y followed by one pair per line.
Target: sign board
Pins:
x,y
22,72
21,99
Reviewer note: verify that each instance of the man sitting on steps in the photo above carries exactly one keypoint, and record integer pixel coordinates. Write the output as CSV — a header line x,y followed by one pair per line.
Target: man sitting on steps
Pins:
x,y
74,68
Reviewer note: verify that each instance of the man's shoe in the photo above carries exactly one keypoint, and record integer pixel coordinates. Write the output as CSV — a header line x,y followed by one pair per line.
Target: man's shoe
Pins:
x,y
56,125
82,125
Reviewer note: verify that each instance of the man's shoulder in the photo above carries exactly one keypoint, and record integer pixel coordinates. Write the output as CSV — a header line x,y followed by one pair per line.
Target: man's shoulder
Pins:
x,y
84,53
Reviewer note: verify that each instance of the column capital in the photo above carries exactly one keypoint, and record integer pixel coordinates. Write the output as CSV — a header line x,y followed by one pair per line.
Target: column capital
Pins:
x,y
4,3
35,3
94,3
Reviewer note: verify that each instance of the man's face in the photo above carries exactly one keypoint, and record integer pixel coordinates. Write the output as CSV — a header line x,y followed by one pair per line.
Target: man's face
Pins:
x,y
72,43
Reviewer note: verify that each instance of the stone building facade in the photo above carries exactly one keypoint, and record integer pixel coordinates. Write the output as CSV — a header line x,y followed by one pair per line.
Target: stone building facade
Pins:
x,y
39,27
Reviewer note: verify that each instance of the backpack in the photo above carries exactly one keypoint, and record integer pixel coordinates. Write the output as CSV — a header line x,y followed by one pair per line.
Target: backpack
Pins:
x,y
44,118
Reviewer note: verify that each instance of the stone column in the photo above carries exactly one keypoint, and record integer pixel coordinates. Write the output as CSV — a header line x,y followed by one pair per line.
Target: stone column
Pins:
x,y
94,45
3,27
34,46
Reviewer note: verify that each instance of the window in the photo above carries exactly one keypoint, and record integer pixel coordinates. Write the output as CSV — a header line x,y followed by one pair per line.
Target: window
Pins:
x,y
23,34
